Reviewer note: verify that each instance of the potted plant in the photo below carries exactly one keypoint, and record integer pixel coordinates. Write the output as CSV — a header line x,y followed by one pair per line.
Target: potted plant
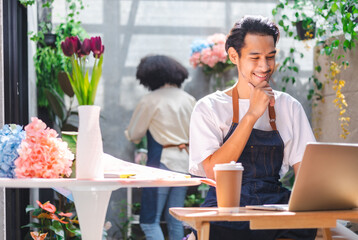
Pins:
x,y
52,224
306,29
331,19
135,212
50,63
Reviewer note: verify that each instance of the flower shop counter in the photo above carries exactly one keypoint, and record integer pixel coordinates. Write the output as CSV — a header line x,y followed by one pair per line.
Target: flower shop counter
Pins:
x,y
91,196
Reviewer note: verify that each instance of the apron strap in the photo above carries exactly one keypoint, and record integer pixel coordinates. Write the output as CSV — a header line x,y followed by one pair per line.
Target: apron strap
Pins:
x,y
272,115
235,105
180,146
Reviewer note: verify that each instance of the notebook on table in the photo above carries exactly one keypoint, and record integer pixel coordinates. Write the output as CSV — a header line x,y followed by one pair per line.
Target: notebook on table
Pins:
x,y
327,180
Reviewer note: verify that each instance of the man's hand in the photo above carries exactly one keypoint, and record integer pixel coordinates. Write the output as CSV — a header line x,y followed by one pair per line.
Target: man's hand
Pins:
x,y
260,97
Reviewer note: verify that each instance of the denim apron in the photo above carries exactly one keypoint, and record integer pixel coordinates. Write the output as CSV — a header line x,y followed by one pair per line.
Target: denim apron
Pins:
x,y
262,160
149,197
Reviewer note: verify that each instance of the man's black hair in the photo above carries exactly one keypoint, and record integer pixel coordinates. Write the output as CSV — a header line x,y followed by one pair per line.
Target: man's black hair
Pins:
x,y
253,25
155,71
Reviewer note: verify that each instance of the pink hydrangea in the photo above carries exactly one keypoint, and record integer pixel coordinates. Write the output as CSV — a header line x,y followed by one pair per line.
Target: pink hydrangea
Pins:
x,y
213,52
219,52
42,154
195,59
208,58
217,38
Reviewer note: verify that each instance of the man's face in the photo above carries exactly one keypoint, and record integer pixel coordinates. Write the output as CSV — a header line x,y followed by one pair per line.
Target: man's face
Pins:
x,y
257,61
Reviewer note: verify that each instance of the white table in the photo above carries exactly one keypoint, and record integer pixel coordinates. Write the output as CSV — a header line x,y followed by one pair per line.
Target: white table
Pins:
x,y
92,196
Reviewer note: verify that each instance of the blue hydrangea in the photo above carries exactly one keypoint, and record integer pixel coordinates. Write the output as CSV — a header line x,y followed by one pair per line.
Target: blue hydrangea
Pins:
x,y
10,140
198,45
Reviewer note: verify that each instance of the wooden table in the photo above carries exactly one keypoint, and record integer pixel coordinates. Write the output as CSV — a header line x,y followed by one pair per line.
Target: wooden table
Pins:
x,y
199,219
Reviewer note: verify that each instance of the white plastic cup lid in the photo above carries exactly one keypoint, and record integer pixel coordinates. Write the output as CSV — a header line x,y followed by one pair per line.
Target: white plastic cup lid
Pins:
x,y
229,166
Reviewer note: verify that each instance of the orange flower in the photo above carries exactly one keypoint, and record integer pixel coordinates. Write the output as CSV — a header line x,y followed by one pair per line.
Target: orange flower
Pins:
x,y
50,216
38,236
54,217
62,214
47,206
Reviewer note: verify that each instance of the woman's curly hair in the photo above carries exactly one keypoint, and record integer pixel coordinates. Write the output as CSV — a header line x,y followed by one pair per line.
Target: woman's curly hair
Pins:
x,y
155,71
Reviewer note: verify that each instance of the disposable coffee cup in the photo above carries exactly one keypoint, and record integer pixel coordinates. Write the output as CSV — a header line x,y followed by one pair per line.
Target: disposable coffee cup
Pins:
x,y
228,178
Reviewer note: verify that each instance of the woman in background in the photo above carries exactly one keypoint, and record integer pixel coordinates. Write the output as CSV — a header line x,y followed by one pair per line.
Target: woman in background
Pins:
x,y
163,116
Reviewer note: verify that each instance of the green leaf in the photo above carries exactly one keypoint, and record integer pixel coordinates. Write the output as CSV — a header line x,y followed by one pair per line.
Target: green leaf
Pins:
x,y
293,79
286,60
346,44
295,69
32,225
285,79
57,103
318,83
57,228
335,43
73,229
29,208
334,7
71,141
86,91
280,23
274,12
318,68
96,76
36,212
328,50
65,84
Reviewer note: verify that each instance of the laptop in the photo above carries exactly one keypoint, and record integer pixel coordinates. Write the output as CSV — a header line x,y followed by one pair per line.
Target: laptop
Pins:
x,y
327,180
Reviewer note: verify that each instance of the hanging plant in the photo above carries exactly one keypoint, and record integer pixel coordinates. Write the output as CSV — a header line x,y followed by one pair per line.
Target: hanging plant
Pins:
x,y
306,29
320,20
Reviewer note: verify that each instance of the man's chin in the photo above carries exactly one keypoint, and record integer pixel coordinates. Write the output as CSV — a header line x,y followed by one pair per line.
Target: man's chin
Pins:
x,y
255,83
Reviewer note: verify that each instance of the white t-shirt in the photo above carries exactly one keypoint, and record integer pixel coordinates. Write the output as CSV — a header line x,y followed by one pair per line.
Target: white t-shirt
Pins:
x,y
166,113
212,118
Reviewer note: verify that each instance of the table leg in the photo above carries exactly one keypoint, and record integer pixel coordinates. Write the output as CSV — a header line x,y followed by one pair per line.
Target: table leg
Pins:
x,y
203,230
91,208
327,235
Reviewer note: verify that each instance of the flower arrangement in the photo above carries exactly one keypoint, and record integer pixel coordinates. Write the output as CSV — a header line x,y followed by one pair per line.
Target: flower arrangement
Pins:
x,y
210,54
52,224
42,154
10,139
33,152
78,51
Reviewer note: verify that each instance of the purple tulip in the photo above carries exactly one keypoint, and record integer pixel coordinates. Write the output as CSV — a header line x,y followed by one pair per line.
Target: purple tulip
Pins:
x,y
76,44
70,46
96,46
85,48
67,47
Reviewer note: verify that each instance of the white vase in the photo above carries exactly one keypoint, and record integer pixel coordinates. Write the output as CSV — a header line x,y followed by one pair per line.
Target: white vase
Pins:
x,y
89,148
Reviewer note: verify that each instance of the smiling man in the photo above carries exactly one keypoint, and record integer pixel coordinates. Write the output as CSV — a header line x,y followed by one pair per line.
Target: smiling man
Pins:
x,y
265,130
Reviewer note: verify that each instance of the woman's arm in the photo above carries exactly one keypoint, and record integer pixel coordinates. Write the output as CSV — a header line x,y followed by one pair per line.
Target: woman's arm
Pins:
x,y
140,121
